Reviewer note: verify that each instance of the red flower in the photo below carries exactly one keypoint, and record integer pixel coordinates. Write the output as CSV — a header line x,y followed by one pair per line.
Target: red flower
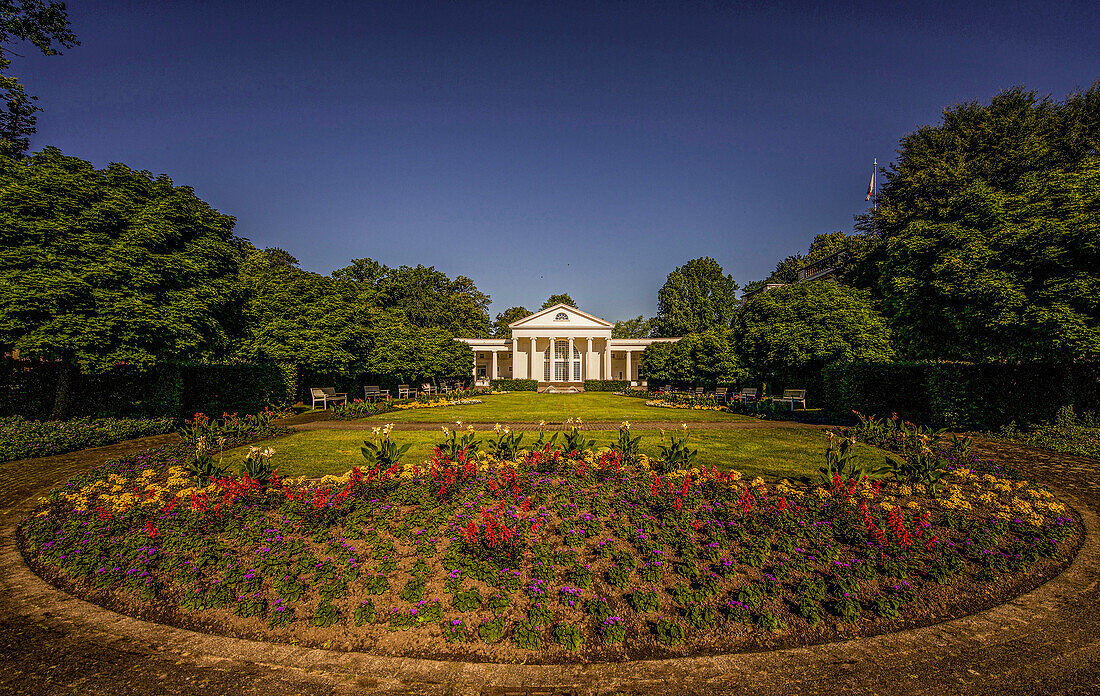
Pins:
x,y
151,529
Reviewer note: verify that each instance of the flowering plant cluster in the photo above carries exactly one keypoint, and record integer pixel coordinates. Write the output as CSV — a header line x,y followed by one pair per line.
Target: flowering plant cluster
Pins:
x,y
22,439
572,552
358,408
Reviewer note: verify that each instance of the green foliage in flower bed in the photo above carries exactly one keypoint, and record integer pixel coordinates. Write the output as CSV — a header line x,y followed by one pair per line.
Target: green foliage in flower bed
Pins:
x,y
549,552
22,439
362,409
1067,433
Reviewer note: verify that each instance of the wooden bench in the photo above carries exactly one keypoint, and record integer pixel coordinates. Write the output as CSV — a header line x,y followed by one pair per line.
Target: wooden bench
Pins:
x,y
325,395
746,394
373,392
404,392
791,396
721,393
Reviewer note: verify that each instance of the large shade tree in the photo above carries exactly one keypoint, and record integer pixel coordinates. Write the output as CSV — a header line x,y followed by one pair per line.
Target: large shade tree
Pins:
x,y
508,316
560,298
100,267
808,325
45,25
988,232
696,297
701,359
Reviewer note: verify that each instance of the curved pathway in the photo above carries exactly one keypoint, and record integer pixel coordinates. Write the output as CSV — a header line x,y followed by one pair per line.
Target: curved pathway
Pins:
x,y
1046,642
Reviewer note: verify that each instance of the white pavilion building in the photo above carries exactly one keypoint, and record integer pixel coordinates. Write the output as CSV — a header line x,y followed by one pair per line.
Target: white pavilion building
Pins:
x,y
559,345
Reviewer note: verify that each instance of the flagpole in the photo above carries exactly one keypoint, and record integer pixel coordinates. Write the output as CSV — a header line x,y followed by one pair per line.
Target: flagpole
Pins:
x,y
874,188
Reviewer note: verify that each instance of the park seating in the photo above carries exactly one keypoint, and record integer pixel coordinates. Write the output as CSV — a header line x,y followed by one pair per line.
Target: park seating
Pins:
x,y
404,392
699,391
791,396
325,395
721,393
373,392
746,394
428,389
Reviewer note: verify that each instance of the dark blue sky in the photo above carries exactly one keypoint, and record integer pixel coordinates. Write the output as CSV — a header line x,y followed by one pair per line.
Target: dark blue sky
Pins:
x,y
540,147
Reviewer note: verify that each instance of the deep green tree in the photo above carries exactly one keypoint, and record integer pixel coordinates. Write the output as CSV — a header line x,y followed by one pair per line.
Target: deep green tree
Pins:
x,y
639,327
46,26
561,298
106,266
512,314
430,299
808,325
986,232
696,297
701,359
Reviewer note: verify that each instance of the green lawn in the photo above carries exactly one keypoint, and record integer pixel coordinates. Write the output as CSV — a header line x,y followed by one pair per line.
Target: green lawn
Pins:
x,y
529,407
773,453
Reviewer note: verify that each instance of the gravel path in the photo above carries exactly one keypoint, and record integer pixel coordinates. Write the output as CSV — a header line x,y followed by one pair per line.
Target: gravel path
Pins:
x,y
533,427
1046,642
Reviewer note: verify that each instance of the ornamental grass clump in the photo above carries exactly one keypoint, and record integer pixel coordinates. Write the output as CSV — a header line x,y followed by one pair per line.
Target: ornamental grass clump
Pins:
x,y
576,555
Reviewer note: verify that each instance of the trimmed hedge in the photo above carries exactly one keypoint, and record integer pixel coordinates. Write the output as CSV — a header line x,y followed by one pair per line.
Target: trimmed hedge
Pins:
x,y
606,385
513,385
175,390
967,395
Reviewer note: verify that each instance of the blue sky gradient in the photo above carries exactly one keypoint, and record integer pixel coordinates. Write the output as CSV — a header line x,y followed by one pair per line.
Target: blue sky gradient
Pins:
x,y
587,148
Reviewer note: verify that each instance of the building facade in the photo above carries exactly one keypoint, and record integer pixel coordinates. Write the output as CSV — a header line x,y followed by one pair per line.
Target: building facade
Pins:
x,y
560,344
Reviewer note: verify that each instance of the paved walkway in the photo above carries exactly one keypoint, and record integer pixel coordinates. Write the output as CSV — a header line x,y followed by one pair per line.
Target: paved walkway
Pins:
x,y
533,427
1046,642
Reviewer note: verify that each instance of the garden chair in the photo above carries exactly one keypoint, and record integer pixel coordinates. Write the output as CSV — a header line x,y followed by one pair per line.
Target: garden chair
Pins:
x,y
445,387
720,394
404,392
791,396
667,389
325,395
698,392
746,394
428,389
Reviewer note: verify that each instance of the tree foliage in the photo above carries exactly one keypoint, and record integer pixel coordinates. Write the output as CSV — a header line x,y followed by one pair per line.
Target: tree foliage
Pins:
x,y
561,298
46,26
702,359
696,297
987,232
810,324
508,316
639,327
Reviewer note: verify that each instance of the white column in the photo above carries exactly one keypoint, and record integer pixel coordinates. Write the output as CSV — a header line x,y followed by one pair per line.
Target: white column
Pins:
x,y
629,374
536,371
494,372
588,361
515,359
607,359
569,365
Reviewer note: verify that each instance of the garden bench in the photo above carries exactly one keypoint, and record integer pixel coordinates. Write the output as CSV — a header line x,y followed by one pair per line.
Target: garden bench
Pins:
x,y
698,391
404,392
791,396
428,389
325,395
373,392
721,393
746,394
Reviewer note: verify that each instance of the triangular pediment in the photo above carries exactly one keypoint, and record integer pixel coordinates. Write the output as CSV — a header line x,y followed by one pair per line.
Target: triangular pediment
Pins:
x,y
560,316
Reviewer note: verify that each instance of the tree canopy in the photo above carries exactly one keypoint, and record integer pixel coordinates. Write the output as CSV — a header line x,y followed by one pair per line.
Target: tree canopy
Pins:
x,y
701,359
639,327
986,232
512,314
561,298
810,324
107,266
696,297
46,26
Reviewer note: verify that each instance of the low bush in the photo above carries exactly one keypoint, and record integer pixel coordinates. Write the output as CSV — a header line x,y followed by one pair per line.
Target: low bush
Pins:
x,y
513,385
606,385
22,439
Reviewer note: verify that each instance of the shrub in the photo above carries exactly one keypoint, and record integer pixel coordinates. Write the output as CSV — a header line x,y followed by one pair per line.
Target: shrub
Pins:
x,y
606,385
513,385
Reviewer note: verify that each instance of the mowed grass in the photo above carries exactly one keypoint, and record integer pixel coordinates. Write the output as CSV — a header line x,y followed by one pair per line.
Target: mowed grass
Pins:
x,y
529,407
772,453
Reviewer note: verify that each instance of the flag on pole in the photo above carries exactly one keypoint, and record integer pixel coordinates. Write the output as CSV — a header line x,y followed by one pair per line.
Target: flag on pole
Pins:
x,y
871,186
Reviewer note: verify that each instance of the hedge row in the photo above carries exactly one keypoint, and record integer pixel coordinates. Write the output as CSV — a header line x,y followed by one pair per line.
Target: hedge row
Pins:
x,y
175,390
966,395
513,385
606,385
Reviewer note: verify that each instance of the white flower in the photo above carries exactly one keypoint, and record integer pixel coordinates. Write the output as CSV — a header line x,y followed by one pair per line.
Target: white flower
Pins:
x,y
625,425
496,428
445,431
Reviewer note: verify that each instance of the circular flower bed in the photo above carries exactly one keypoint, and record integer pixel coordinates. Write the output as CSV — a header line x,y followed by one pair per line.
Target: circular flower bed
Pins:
x,y
547,556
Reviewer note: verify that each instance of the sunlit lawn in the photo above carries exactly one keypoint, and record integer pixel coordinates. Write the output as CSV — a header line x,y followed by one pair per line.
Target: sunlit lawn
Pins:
x,y
530,407
770,452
